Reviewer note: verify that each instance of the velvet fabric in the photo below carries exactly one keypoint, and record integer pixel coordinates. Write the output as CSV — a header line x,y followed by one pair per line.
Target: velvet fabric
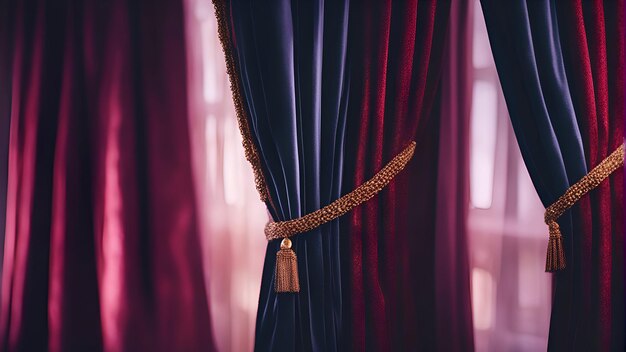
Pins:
x,y
453,308
6,39
561,66
396,56
101,250
292,60
333,91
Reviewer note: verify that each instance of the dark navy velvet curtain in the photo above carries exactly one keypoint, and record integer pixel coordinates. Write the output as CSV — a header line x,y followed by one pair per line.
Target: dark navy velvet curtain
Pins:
x,y
560,64
292,59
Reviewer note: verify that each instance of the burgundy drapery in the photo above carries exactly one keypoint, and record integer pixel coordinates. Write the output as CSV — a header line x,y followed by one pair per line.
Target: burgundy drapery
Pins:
x,y
452,307
101,248
398,267
5,111
593,52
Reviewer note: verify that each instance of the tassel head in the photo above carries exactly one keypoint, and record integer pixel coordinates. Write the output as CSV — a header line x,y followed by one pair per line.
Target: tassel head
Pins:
x,y
286,269
555,258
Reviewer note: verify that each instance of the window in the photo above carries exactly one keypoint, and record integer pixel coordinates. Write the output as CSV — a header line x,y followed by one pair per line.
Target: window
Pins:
x,y
510,291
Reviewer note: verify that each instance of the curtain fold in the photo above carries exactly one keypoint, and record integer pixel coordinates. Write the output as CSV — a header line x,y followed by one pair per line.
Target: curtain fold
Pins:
x,y
6,39
292,60
562,72
101,250
396,58
453,306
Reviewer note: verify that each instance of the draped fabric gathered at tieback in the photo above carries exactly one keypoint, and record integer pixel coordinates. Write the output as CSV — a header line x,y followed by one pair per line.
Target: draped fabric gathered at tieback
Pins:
x,y
561,66
331,92
284,60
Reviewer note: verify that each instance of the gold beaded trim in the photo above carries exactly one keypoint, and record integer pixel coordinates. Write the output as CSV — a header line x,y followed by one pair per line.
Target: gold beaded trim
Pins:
x,y
555,259
363,193
222,15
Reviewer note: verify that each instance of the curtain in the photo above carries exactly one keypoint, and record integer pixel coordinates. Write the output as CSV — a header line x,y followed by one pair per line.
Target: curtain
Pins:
x,y
101,249
294,78
332,91
561,69
5,111
453,308
396,268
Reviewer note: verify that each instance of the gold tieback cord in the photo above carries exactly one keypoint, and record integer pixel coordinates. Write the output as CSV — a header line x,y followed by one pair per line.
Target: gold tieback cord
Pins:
x,y
286,261
222,13
555,257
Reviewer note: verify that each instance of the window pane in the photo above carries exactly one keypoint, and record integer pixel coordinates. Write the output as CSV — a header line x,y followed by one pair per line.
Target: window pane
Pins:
x,y
484,126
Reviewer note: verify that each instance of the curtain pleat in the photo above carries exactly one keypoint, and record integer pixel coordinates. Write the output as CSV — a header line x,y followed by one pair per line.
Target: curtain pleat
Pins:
x,y
292,59
563,83
101,250
396,58
6,39
452,265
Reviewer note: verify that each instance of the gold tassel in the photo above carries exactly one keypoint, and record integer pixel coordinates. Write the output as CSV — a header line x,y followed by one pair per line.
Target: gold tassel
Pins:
x,y
286,268
555,258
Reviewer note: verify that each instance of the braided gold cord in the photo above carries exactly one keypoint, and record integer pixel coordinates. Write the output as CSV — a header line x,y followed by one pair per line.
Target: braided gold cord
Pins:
x,y
585,184
555,256
361,194
222,15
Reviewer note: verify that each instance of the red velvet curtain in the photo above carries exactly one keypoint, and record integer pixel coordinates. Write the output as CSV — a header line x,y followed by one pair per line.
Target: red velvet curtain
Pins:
x,y
101,248
452,307
5,112
395,264
592,35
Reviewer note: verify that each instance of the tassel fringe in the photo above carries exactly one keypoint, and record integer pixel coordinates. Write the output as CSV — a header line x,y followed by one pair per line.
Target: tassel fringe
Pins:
x,y
286,269
555,258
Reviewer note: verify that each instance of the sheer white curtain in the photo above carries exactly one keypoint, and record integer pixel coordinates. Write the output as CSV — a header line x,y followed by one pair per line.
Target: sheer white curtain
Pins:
x,y
233,217
511,293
